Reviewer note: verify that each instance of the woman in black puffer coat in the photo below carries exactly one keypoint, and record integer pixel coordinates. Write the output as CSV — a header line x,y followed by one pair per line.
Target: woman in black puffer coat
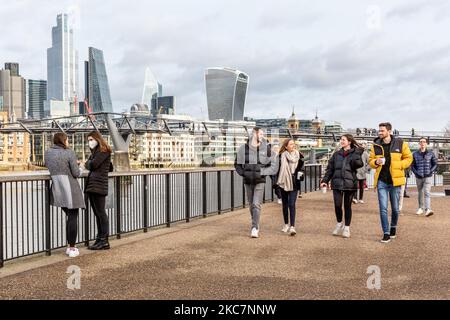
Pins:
x,y
99,165
341,171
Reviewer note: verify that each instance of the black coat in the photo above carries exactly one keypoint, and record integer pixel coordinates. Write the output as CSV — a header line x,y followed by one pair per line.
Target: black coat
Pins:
x,y
341,171
250,163
296,182
99,165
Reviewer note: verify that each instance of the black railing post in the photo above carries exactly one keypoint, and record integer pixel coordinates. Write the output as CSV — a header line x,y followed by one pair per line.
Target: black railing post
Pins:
x,y
187,181
118,208
168,204
272,191
232,190
219,192
204,195
315,177
145,198
1,225
48,250
86,216
310,179
243,193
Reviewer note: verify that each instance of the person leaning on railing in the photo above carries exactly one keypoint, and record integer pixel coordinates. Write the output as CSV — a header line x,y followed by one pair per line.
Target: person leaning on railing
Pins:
x,y
99,165
65,191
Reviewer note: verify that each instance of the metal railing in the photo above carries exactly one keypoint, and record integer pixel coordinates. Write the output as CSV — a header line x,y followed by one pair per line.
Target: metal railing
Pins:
x,y
146,199
437,180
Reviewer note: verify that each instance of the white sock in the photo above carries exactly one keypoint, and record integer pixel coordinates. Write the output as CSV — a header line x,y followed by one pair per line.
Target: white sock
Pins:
x,y
339,224
347,228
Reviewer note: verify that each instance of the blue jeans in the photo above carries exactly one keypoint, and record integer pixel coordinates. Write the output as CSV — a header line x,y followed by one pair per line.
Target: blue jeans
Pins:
x,y
388,192
289,198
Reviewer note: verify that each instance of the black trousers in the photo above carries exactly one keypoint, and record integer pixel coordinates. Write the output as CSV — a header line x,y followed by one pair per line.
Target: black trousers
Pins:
x,y
361,189
345,197
71,225
97,202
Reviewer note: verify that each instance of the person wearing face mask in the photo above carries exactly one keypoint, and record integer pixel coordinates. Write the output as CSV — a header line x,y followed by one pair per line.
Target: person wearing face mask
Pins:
x,y
99,165
65,190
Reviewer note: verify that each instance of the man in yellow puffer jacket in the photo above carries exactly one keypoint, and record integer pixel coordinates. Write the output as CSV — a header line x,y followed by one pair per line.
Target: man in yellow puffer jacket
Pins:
x,y
390,156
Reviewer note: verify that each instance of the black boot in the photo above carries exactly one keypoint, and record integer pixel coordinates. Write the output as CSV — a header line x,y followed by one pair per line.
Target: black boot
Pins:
x,y
102,244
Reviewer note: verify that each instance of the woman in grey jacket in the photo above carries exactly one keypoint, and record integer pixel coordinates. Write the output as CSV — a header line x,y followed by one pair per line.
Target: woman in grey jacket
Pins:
x,y
65,191
361,175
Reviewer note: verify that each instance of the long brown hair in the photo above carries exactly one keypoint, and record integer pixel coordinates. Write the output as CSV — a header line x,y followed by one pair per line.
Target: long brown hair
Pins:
x,y
353,143
59,139
284,145
103,145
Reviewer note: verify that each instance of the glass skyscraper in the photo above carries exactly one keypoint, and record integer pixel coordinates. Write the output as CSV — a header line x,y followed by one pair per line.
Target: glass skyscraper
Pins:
x,y
98,94
226,90
62,63
37,94
152,88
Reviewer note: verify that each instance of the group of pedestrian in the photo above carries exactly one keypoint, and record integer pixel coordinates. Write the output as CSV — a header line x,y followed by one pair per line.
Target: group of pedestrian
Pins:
x,y
390,157
66,193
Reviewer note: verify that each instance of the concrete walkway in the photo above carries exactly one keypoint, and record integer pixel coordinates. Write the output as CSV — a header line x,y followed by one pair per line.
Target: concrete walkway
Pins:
x,y
214,258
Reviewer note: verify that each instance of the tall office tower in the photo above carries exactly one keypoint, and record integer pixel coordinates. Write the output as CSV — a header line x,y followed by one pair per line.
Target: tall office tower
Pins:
x,y
13,67
96,82
152,88
62,63
226,91
37,94
13,92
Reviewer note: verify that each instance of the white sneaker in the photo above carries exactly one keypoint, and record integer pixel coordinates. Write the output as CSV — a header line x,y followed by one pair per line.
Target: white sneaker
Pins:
x,y
73,252
279,201
68,250
292,231
355,200
339,229
420,211
346,232
361,201
255,233
285,228
429,212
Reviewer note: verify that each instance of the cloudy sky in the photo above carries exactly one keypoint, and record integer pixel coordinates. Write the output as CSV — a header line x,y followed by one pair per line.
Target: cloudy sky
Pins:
x,y
357,62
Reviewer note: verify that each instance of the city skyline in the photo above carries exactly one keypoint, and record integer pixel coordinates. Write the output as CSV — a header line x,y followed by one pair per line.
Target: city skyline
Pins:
x,y
345,63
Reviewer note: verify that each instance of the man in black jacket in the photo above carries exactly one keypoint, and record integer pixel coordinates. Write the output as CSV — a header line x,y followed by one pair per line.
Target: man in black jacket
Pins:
x,y
254,162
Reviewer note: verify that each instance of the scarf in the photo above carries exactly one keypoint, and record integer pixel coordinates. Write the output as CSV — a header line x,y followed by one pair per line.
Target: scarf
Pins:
x,y
289,162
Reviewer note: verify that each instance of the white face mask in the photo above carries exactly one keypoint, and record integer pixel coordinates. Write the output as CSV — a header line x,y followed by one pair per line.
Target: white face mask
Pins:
x,y
93,144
